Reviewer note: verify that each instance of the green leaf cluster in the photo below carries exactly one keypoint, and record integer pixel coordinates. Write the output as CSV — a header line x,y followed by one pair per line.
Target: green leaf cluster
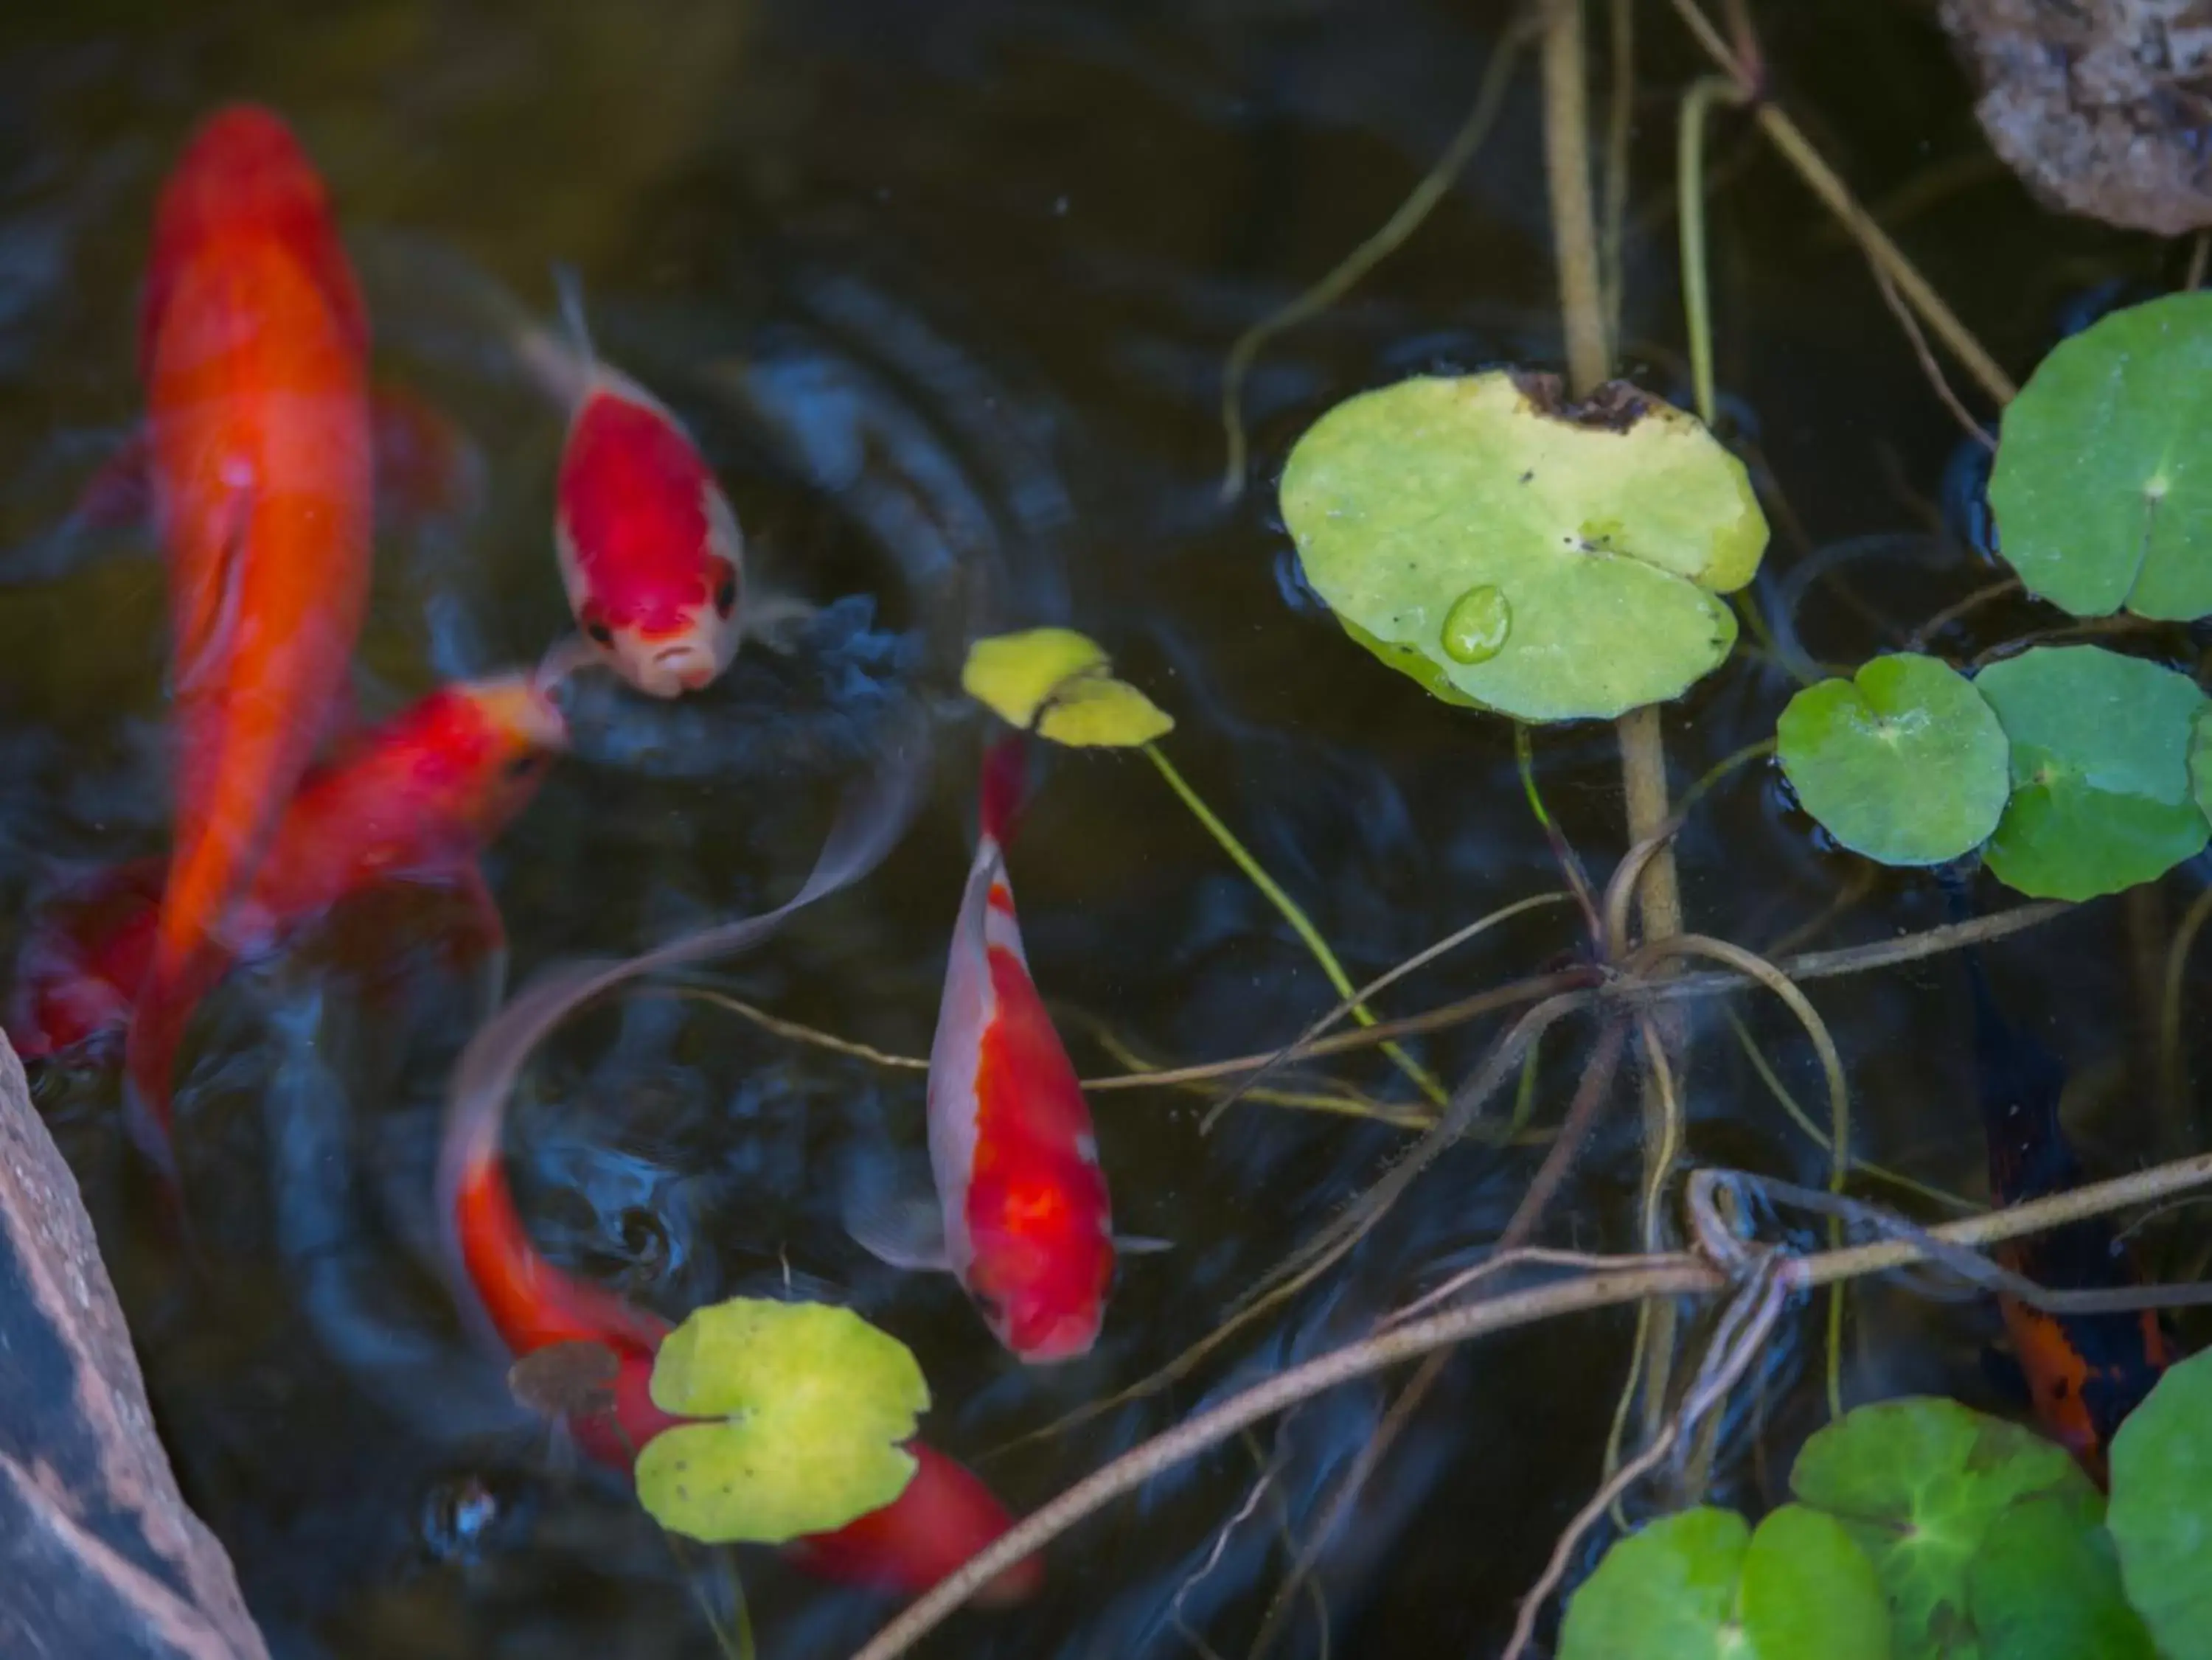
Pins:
x,y
1922,1530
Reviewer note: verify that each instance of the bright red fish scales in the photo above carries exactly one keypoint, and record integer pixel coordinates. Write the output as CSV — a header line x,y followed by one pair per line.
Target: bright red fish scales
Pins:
x,y
1033,1187
633,498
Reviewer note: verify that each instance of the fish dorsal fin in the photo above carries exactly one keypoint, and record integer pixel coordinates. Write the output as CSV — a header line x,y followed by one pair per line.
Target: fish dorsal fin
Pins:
x,y
568,286
205,636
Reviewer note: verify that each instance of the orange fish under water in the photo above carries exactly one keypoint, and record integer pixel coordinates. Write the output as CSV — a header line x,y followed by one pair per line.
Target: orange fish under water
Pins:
x,y
415,799
2085,1372
944,1515
253,345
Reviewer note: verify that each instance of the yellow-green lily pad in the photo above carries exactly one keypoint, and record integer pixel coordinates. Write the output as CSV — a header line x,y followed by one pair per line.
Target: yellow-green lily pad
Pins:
x,y
1511,552
1061,685
2102,487
1905,763
1014,674
2101,796
811,1403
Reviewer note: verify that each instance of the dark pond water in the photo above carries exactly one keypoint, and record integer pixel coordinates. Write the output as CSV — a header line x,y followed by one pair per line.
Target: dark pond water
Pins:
x,y
945,290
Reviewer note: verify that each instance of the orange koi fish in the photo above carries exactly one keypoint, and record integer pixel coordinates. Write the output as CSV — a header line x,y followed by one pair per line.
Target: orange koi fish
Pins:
x,y
253,344
650,551
413,800
2085,1372
423,469
1026,1226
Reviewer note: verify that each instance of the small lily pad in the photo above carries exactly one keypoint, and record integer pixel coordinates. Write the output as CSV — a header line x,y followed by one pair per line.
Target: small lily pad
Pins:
x,y
1905,763
2101,796
1918,1483
1061,685
813,1401
1510,552
1666,1592
1012,675
1097,710
2103,483
1701,1585
2160,1515
1810,1593
2046,1586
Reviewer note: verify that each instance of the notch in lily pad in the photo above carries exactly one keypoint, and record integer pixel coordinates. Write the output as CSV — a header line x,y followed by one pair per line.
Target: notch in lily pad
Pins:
x,y
1061,685
1905,762
1701,1585
808,1405
2102,795
2102,488
1514,552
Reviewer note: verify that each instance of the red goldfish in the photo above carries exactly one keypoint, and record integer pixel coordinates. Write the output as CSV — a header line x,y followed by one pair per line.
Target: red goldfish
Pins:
x,y
1027,1228
415,799
650,550
944,1516
253,344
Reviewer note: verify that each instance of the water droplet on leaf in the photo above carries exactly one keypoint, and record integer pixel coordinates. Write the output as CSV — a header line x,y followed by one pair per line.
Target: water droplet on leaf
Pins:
x,y
1476,626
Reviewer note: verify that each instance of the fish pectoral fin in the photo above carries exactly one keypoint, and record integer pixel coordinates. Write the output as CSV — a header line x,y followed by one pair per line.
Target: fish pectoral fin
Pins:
x,y
779,621
903,1232
1140,1244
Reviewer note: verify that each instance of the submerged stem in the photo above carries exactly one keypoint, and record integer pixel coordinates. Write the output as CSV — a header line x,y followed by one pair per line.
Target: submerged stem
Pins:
x,y
1301,924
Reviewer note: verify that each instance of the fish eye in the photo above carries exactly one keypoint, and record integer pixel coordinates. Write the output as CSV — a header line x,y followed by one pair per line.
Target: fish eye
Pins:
x,y
601,633
726,596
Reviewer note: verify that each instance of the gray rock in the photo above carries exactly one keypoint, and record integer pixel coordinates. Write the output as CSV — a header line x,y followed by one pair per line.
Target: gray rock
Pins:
x,y
99,1559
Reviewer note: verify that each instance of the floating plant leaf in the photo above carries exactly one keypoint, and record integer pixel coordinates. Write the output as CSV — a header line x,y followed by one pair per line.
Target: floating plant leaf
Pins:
x,y
1512,553
1012,675
2200,760
2100,797
2046,1585
1061,684
1918,1483
1666,1592
811,1403
1810,1593
2103,483
1905,763
1701,1585
2161,1516
1096,711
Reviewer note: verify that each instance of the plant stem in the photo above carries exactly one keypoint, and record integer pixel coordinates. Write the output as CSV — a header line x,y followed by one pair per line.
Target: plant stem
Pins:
x,y
1690,190
1301,924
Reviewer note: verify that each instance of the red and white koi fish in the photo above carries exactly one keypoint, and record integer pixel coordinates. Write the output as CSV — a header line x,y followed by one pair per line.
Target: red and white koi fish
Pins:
x,y
1027,1228
946,1515
253,345
415,799
650,551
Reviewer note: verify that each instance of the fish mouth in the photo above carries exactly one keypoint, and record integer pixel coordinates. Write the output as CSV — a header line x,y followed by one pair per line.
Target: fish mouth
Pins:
x,y
680,667
524,705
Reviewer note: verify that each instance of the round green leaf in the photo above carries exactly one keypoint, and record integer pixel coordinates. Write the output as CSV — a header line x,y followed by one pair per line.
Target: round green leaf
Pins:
x,y
1918,1483
2046,1586
2103,483
2100,777
1513,553
2160,1515
1905,763
1666,1592
1099,712
812,1402
2200,760
1810,1593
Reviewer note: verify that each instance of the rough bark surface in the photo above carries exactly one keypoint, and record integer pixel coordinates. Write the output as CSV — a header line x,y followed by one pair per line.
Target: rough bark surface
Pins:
x,y
2104,106
99,1559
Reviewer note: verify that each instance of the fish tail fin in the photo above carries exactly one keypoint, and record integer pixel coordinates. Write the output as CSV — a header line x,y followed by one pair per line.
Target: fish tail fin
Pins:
x,y
1005,777
568,286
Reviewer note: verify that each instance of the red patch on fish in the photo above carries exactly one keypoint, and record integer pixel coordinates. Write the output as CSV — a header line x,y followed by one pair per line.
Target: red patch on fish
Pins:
x,y
633,503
